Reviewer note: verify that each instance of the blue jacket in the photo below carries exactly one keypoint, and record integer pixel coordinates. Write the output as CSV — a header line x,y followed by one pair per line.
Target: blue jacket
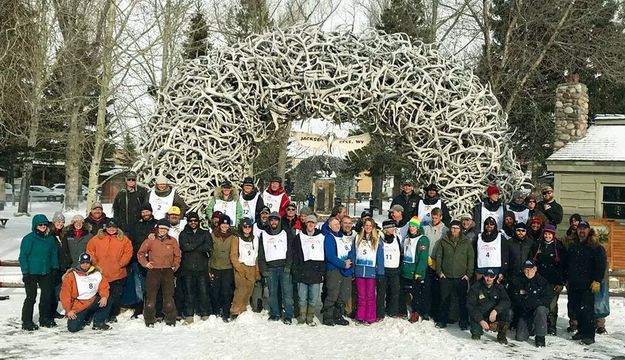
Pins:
x,y
370,272
325,228
333,262
38,252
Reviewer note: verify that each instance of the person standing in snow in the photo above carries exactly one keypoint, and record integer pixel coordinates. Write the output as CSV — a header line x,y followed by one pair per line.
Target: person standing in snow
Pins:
x,y
387,292
250,199
163,196
339,271
221,272
434,231
491,251
128,202
414,262
275,197
244,259
138,233
369,264
59,232
38,258
489,307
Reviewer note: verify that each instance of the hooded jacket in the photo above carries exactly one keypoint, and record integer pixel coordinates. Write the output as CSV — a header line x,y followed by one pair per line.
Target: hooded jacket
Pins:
x,y
482,299
220,253
219,196
418,267
308,272
111,253
195,246
69,290
74,245
586,262
38,251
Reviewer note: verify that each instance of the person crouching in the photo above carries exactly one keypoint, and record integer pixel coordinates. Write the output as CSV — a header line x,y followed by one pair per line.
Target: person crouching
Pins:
x,y
84,293
161,256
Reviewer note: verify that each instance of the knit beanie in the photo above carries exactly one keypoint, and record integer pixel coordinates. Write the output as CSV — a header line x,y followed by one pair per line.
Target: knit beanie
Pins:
x,y
58,216
414,221
492,189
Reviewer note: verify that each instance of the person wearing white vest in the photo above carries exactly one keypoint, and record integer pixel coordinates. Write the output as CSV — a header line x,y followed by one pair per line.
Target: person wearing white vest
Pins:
x,y
84,293
491,251
275,197
225,199
518,207
369,265
176,224
275,259
388,285
244,258
430,201
163,196
491,206
414,262
250,199
339,271
308,269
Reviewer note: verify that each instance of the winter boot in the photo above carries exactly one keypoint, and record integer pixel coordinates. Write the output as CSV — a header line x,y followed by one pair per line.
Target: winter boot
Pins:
x,y
476,336
188,320
301,317
539,341
48,324
502,332
204,317
601,330
572,326
338,315
551,330
102,326
414,317
137,311
310,316
30,327
588,341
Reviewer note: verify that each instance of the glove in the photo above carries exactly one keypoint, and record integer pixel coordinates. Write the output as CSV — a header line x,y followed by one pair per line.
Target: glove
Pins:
x,y
417,276
26,278
595,286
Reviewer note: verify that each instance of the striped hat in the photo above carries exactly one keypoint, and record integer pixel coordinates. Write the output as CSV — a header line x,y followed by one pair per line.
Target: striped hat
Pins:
x,y
414,221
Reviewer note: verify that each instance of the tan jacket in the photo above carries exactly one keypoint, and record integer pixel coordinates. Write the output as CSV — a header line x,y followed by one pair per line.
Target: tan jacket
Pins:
x,y
248,272
162,254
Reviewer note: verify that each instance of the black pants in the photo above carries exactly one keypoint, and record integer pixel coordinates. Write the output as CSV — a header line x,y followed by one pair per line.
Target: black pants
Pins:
x,y
449,288
222,291
45,284
387,295
418,291
431,294
116,289
582,303
57,279
338,291
196,294
180,292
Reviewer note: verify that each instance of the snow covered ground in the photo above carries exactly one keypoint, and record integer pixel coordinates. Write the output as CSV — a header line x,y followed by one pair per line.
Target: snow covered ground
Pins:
x,y
251,336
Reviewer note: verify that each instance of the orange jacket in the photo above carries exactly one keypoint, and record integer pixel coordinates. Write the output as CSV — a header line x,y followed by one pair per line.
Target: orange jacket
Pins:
x,y
111,254
162,254
69,290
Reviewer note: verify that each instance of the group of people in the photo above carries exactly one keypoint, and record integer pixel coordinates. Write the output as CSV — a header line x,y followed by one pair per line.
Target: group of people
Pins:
x,y
497,268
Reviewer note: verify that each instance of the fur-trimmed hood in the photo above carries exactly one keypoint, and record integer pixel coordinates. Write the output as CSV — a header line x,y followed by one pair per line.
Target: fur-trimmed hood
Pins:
x,y
120,234
219,195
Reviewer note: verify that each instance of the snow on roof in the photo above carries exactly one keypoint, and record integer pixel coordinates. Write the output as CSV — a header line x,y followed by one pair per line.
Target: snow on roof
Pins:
x,y
601,143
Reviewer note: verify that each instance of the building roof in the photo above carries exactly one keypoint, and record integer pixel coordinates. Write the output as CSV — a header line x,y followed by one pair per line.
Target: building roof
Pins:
x,y
601,143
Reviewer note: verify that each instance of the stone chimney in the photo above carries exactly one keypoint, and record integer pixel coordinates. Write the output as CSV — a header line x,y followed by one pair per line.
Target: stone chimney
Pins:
x,y
571,116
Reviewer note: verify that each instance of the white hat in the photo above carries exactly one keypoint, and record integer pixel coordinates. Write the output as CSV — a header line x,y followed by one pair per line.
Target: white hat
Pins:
x,y
162,179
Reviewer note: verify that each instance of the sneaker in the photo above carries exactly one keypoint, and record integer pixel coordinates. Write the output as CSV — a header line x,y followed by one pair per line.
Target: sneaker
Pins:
x,y
287,321
48,324
577,336
476,336
101,327
588,341
539,341
30,327
341,321
441,325
601,330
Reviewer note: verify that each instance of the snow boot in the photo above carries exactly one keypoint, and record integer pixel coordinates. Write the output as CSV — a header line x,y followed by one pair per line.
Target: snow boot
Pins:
x,y
551,330
310,316
601,330
302,316
572,326
577,336
476,336
188,320
30,327
502,332
48,324
102,326
539,341
588,341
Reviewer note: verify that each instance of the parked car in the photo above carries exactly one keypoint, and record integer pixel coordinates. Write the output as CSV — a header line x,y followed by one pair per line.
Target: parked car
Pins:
x,y
61,188
42,193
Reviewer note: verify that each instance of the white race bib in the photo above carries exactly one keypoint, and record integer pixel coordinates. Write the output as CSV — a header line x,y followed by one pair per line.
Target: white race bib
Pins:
x,y
87,285
249,206
174,231
343,246
275,246
312,247
497,215
410,249
392,254
425,211
489,253
229,208
248,251
521,216
365,255
161,205
272,201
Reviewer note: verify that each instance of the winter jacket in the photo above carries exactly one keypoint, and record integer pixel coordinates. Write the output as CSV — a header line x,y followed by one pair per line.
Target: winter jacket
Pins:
x,y
38,251
289,225
551,260
60,239
368,271
490,206
163,253
528,294
287,263
195,246
284,199
482,299
127,206
75,243
471,233
111,253
455,259
307,272
139,232
97,224
259,202
518,252
410,203
220,253
410,270
331,241
586,262
434,234
433,200
69,290
554,214
251,273
219,196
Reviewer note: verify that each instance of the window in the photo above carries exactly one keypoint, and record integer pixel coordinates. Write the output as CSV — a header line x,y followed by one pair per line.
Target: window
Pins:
x,y
613,202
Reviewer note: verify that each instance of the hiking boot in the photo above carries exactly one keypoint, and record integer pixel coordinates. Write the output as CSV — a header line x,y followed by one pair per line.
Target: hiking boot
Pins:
x,y
310,316
274,318
287,321
502,332
463,325
588,341
539,341
259,306
577,336
601,330
476,336
30,327
328,322
571,329
102,326
302,316
150,325
414,317
48,324
58,315
112,319
136,312
171,323
188,320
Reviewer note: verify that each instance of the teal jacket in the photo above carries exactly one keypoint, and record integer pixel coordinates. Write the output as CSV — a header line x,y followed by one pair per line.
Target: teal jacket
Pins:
x,y
418,267
38,252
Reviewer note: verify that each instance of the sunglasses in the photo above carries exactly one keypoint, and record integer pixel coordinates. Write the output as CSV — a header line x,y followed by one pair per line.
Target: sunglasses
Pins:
x,y
290,209
548,192
531,201
247,226
193,220
490,276
521,230
131,179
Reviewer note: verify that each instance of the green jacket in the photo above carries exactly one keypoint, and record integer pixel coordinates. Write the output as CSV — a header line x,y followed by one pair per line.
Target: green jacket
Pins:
x,y
38,252
410,270
218,195
454,258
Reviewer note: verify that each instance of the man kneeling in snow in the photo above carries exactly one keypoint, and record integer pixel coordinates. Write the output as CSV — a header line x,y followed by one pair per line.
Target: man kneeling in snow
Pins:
x,y
85,292
488,305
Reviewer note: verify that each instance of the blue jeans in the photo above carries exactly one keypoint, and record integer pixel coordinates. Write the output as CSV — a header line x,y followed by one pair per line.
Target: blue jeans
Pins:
x,y
280,281
99,315
309,294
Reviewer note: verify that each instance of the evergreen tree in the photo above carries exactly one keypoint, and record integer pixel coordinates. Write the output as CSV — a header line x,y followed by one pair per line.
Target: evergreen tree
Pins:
x,y
197,43
404,16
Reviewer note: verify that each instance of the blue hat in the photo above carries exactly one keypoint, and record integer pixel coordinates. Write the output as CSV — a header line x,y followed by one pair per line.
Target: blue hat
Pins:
x,y
528,264
584,224
84,258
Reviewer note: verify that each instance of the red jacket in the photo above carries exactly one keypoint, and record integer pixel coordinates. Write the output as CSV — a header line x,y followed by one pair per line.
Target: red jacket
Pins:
x,y
284,201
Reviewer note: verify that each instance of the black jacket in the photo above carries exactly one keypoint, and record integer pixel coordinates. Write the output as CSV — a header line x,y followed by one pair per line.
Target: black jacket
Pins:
x,y
287,263
585,264
551,260
139,232
518,252
554,214
491,206
481,300
528,294
410,204
431,201
308,272
195,247
505,251
127,207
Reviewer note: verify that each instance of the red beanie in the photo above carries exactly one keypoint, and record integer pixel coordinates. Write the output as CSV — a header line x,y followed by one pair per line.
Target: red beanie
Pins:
x,y
492,189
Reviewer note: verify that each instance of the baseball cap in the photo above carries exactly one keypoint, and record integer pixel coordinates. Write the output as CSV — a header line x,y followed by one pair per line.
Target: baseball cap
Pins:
x,y
528,264
84,258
